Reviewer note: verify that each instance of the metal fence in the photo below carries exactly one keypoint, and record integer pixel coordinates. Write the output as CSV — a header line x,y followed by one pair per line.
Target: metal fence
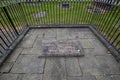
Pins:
x,y
15,16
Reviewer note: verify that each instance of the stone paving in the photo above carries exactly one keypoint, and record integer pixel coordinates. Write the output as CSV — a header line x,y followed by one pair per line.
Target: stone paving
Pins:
x,y
25,64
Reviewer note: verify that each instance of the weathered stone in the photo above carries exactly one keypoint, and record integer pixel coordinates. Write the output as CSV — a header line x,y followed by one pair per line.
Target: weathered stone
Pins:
x,y
32,51
8,77
108,65
27,41
50,33
86,77
6,67
89,65
37,32
99,48
51,77
37,43
116,77
30,77
61,48
104,77
62,34
94,52
55,69
14,55
81,33
72,67
28,64
86,43
86,35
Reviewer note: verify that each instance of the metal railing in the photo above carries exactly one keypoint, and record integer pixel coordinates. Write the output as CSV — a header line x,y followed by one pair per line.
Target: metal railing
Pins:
x,y
16,15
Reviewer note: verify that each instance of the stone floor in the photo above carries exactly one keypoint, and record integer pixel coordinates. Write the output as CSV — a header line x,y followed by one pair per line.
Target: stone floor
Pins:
x,y
25,63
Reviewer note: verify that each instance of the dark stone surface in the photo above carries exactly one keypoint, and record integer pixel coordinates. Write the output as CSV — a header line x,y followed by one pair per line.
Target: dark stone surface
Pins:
x,y
61,48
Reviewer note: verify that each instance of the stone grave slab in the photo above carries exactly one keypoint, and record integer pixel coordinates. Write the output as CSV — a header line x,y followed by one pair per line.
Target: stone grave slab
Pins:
x,y
61,48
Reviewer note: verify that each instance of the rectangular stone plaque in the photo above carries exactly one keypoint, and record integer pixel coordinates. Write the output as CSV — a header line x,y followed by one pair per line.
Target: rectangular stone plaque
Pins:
x,y
61,48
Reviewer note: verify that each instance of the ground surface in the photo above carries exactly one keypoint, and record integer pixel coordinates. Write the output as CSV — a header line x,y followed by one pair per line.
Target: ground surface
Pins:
x,y
24,63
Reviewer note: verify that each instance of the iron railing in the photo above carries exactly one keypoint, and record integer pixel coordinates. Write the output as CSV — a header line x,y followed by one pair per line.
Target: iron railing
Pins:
x,y
16,15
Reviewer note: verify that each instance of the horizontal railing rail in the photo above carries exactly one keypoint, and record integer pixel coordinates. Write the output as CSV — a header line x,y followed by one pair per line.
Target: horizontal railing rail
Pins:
x,y
15,15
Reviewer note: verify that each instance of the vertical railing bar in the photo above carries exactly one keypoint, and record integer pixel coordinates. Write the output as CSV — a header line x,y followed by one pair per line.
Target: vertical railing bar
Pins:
x,y
98,18
101,6
7,31
79,17
103,17
10,21
106,18
24,9
11,8
113,26
4,41
19,18
114,33
59,12
85,12
46,18
42,10
23,13
13,35
117,44
107,23
116,38
37,12
73,17
10,13
2,47
28,8
53,12
33,14
5,36
40,5
44,1
1,51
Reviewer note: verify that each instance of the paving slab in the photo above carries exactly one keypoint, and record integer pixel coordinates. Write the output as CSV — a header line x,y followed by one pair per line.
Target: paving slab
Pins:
x,y
95,52
37,43
86,35
14,55
116,77
50,33
62,34
8,77
27,41
32,51
30,77
85,77
108,77
81,33
6,67
36,32
51,77
28,64
87,43
73,67
99,49
104,77
108,65
55,67
89,66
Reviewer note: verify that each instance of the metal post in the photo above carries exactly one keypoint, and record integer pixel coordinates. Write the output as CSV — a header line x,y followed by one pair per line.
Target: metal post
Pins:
x,y
6,12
